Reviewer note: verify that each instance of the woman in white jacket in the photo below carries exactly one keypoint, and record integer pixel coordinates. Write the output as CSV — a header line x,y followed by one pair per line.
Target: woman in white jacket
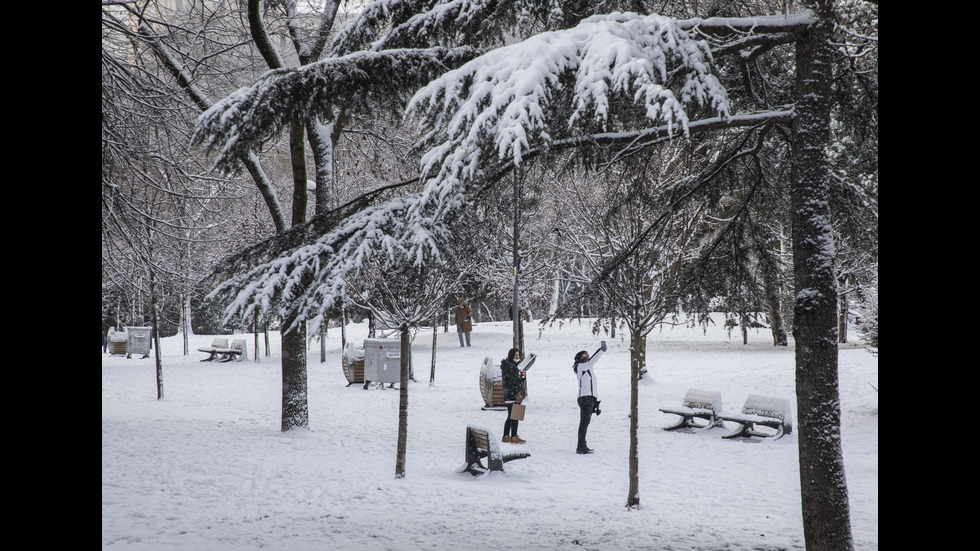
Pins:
x,y
588,393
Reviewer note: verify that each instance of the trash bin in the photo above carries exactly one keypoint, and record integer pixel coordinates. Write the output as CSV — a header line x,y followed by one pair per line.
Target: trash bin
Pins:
x,y
138,341
382,360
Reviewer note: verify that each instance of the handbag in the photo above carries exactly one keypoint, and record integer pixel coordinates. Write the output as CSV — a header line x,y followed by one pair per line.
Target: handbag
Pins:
x,y
517,412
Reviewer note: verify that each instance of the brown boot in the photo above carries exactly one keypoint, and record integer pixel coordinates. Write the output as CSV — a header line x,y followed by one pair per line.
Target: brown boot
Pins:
x,y
517,440
506,439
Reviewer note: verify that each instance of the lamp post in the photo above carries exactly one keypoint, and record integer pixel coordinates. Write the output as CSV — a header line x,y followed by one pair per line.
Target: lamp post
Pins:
x,y
515,307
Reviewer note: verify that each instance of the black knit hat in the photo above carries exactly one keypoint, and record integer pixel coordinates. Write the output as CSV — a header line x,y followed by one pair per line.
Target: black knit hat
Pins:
x,y
578,357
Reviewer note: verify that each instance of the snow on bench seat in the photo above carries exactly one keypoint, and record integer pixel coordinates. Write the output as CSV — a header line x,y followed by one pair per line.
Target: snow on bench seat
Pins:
x,y
763,411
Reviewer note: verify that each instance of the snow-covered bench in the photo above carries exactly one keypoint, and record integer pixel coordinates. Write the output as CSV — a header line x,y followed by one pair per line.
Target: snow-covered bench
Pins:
x,y
212,352
765,411
481,443
237,351
697,404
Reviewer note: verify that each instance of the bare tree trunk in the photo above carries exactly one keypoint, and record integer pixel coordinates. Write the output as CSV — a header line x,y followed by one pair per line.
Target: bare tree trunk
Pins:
x,y
343,326
826,512
637,361
842,310
435,337
406,352
323,341
774,306
156,335
255,330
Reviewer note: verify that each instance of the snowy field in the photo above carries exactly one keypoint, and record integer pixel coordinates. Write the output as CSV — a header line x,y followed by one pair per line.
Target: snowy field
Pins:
x,y
207,468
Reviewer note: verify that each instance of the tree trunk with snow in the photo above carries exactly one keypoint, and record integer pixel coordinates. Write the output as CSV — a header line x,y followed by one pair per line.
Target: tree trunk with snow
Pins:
x,y
826,512
295,407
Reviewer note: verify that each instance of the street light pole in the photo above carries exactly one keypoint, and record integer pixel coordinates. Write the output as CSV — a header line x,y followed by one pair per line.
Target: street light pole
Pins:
x,y
517,262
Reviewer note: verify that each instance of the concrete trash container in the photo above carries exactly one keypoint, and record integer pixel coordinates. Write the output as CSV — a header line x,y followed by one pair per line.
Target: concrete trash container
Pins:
x,y
138,341
382,360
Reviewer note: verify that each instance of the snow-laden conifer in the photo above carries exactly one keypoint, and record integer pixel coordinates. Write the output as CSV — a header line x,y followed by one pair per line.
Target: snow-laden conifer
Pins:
x,y
489,113
497,107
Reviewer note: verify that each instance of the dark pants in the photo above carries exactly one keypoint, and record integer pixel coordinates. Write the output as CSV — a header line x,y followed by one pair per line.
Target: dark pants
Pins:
x,y
510,425
585,404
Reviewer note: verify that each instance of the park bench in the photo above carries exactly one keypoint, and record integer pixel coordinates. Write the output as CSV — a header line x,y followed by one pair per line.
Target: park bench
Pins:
x,y
697,404
237,351
761,411
481,443
218,344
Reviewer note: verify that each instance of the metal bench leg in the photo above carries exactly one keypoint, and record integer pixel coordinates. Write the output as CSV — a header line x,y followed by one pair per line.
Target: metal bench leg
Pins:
x,y
742,430
679,424
712,423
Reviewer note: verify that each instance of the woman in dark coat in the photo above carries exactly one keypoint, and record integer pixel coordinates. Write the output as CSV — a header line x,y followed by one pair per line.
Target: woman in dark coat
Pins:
x,y
513,386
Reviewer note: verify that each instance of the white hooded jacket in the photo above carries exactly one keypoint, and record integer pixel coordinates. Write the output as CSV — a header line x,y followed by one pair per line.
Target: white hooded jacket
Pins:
x,y
587,385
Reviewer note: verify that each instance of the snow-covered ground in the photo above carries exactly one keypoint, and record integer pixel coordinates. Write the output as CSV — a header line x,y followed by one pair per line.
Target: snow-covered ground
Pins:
x,y
207,468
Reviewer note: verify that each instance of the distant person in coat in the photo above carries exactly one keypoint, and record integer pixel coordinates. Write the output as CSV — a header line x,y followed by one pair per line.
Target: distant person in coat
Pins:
x,y
588,393
514,390
464,321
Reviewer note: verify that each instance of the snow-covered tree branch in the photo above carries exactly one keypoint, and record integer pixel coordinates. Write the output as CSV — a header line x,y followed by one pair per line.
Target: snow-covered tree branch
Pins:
x,y
253,115
561,84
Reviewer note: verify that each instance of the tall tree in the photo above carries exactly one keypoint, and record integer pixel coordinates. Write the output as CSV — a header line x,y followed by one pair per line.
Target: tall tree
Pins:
x,y
826,512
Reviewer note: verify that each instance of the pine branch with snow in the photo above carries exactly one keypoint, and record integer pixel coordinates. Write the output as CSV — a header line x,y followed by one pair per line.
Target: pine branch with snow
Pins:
x,y
496,108
361,81
388,24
